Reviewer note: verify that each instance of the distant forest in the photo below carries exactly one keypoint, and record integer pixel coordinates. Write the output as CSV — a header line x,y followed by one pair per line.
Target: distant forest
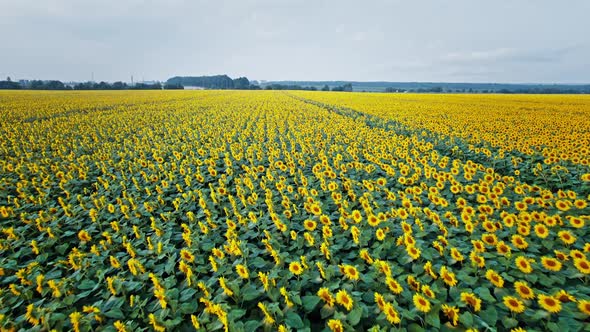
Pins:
x,y
213,82
243,83
58,85
441,87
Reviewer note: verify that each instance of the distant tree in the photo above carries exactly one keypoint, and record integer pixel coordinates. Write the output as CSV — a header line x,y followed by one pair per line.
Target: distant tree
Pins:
x,y
346,87
103,86
8,79
9,85
173,86
119,85
326,88
241,83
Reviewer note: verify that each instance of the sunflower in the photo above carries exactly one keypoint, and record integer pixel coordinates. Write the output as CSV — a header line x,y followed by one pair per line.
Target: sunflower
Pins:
x,y
564,296
421,303
242,271
495,278
335,325
456,255
326,296
580,203
413,283
295,268
562,205
380,301
391,314
187,256
413,252
489,239
513,304
541,231
380,234
373,221
429,270
584,306
471,300
519,242
393,285
325,220
84,236
566,237
226,289
520,206
452,313
523,290
551,264
503,249
350,272
448,277
549,303
523,264
316,209
309,225
426,290
114,262
478,246
383,267
577,254
561,255
344,299
268,319
582,265
357,216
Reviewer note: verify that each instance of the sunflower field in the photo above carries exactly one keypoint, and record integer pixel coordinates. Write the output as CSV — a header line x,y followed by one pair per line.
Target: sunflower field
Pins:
x,y
293,211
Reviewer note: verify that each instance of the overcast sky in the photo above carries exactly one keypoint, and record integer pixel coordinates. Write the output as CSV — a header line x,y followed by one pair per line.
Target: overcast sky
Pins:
x,y
453,40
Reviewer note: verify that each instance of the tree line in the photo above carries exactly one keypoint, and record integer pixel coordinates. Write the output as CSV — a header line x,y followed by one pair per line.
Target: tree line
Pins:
x,y
214,82
8,84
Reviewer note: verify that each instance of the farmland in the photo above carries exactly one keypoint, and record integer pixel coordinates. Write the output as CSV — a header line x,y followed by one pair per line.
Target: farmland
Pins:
x,y
293,210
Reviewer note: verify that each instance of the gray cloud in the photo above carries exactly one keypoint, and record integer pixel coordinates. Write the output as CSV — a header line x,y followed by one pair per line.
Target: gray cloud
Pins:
x,y
462,40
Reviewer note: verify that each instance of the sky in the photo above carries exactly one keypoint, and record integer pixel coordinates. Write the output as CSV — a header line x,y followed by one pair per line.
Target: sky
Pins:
x,y
506,41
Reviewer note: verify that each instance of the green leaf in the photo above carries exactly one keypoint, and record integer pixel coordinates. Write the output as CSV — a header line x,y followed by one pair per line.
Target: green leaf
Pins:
x,y
252,325
553,327
485,294
310,302
509,322
354,317
236,314
539,314
293,320
258,262
433,319
187,294
326,312
115,313
466,319
249,293
490,315
61,249
415,328
187,308
86,284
